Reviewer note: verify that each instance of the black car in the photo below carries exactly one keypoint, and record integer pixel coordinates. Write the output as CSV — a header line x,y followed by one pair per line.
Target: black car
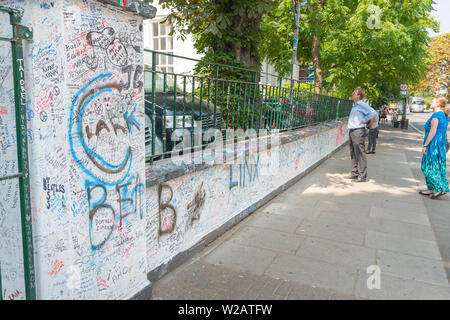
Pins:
x,y
191,116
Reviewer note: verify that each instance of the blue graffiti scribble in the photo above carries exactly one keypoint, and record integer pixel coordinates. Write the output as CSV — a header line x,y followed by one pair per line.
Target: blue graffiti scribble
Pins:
x,y
131,120
41,50
88,150
83,141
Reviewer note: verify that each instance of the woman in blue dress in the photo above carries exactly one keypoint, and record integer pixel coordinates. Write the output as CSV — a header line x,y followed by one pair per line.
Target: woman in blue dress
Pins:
x,y
434,150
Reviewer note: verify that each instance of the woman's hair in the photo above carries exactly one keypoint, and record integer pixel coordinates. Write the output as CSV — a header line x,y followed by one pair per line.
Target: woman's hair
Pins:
x,y
442,102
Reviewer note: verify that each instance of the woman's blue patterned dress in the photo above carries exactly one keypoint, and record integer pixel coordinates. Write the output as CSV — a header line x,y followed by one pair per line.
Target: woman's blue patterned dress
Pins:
x,y
434,165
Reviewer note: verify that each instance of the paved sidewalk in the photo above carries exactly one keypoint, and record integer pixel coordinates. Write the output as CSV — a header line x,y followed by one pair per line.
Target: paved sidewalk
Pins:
x,y
316,239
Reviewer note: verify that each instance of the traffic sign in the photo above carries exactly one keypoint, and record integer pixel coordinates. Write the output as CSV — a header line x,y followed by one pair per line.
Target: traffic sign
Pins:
x,y
404,89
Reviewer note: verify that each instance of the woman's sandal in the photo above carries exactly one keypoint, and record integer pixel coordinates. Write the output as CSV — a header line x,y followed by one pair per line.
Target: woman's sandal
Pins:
x,y
426,193
437,195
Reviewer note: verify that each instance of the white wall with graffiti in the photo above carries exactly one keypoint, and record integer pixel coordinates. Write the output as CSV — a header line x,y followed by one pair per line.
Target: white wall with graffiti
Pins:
x,y
84,78
182,211
97,230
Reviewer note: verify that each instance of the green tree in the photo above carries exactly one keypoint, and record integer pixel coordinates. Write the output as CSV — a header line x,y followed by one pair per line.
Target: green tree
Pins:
x,y
374,44
225,31
437,76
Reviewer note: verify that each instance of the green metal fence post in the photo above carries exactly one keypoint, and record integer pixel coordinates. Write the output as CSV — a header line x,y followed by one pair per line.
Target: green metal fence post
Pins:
x,y
215,95
164,133
153,103
337,110
174,109
19,33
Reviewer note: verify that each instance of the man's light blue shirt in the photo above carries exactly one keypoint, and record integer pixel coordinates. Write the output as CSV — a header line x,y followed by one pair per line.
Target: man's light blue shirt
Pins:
x,y
375,123
361,111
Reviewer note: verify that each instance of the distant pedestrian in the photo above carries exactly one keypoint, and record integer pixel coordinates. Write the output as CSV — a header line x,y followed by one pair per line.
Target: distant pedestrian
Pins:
x,y
383,116
360,115
373,135
434,160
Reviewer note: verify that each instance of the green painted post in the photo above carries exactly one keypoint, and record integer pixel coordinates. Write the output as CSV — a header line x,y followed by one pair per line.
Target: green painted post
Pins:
x,y
337,109
174,107
192,117
221,105
215,95
255,94
228,105
164,112
261,106
243,107
234,103
20,32
153,103
207,103
201,99
238,106
184,103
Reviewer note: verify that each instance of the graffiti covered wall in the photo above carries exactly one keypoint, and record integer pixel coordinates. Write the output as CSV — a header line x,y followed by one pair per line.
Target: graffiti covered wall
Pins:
x,y
84,72
182,211
97,229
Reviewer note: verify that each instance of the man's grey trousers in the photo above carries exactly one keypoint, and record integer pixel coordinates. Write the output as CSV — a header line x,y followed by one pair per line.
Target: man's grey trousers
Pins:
x,y
372,144
357,153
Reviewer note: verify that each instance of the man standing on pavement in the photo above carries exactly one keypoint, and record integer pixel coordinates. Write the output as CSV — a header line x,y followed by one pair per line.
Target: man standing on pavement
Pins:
x,y
373,135
360,116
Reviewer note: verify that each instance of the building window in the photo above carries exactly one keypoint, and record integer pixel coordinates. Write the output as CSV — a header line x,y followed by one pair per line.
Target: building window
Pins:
x,y
163,42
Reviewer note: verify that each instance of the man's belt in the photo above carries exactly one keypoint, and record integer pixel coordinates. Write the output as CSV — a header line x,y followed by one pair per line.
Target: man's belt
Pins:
x,y
356,129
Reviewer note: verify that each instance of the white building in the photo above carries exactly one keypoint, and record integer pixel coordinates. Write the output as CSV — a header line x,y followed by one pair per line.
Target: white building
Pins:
x,y
156,37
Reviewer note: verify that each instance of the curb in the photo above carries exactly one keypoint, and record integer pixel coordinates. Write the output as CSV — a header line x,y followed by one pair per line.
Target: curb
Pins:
x,y
418,130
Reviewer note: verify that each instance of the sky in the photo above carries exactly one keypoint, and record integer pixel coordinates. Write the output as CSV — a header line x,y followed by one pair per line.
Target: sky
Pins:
x,y
441,13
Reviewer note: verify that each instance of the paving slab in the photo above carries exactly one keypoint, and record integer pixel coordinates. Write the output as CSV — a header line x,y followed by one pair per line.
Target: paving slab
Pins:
x,y
413,204
411,267
354,219
406,245
393,288
313,272
291,208
338,253
268,220
243,258
404,216
330,205
268,239
400,228
332,231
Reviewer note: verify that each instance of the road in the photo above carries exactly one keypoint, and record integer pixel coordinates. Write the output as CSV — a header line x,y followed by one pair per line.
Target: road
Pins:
x,y
418,119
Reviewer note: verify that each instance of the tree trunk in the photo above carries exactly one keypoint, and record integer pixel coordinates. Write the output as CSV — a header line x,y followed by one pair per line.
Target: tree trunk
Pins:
x,y
315,52
318,76
248,56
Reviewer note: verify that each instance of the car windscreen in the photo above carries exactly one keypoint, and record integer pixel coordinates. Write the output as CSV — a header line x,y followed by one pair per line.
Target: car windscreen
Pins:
x,y
159,82
419,103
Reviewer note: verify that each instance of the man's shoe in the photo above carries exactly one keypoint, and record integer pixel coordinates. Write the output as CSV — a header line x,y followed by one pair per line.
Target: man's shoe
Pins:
x,y
360,180
352,177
